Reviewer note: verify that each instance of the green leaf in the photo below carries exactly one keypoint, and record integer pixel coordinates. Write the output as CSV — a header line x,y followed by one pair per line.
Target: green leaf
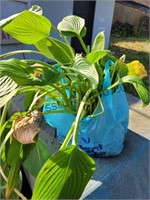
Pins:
x,y
28,100
19,71
8,125
61,51
50,77
28,28
13,179
6,169
99,42
35,9
15,152
5,21
106,58
42,46
122,69
95,56
83,32
8,89
86,70
55,50
64,175
139,86
39,154
72,25
18,185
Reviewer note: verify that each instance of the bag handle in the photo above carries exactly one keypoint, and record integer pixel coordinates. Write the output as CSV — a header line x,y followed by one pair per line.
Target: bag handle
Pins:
x,y
107,96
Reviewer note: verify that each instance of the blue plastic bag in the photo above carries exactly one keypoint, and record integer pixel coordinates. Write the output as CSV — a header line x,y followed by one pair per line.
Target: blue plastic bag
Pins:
x,y
102,135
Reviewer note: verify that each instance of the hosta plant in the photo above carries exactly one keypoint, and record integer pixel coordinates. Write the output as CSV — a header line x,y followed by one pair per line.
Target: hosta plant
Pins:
x,y
64,174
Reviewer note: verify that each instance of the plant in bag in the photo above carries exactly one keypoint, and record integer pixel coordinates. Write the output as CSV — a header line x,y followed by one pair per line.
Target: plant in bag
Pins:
x,y
82,91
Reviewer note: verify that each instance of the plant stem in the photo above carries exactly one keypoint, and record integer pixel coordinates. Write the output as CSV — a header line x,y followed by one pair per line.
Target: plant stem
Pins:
x,y
36,98
5,140
77,122
82,44
1,170
19,52
3,175
3,117
112,86
15,190
68,137
20,194
113,72
25,89
80,115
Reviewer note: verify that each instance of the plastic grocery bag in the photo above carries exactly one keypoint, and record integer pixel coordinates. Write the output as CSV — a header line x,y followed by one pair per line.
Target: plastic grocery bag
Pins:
x,y
102,135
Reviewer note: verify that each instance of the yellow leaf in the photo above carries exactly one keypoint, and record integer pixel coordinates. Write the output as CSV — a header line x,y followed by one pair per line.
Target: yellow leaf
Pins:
x,y
136,68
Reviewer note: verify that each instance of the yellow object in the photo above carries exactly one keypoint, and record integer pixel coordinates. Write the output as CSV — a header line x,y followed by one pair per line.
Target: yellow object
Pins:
x,y
136,68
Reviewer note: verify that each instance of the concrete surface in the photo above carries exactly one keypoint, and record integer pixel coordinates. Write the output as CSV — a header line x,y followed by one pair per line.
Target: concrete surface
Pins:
x,y
139,117
125,176
122,177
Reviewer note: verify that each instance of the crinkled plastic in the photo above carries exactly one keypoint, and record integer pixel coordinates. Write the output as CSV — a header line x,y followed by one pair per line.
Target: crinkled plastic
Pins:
x,y
102,135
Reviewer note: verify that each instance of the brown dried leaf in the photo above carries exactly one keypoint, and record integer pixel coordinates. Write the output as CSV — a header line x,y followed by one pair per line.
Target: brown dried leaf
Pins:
x,y
26,127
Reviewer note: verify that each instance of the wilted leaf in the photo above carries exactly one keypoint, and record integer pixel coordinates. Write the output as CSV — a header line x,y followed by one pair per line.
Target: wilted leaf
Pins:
x,y
26,127
137,69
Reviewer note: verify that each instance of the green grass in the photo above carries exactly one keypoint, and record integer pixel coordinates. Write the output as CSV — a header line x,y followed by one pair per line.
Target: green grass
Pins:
x,y
134,48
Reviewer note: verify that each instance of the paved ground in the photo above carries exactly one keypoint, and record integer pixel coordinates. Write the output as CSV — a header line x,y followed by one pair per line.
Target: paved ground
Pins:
x,y
139,117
